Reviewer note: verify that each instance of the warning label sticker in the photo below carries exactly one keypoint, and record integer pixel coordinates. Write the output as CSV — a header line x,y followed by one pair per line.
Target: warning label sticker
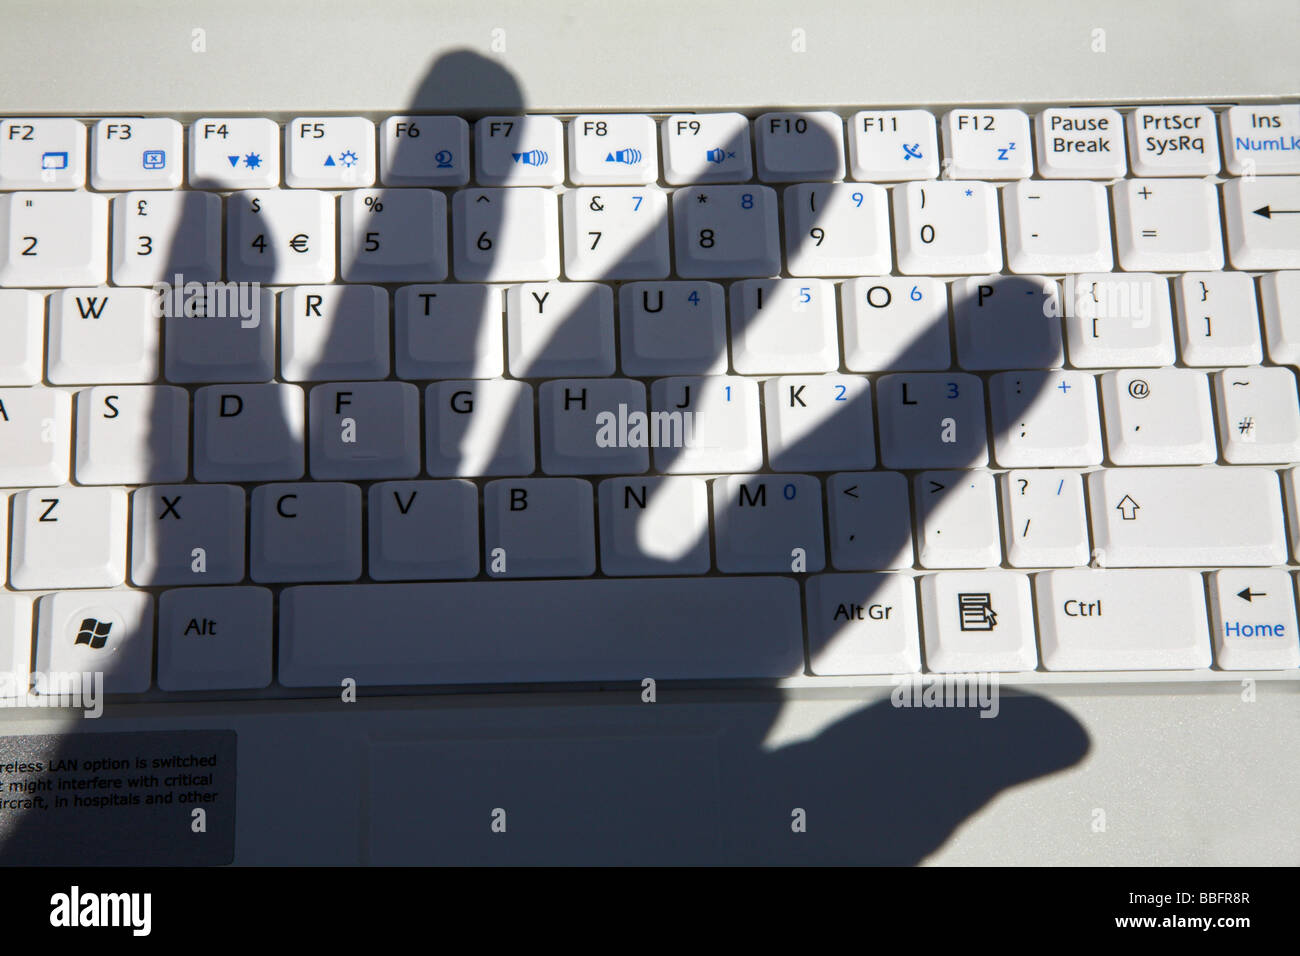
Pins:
x,y
120,799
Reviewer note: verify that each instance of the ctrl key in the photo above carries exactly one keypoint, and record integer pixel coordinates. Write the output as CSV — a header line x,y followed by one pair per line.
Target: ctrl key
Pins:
x,y
1122,620
214,638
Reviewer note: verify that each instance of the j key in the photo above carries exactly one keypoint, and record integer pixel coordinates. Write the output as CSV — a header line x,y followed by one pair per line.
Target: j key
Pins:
x,y
364,430
931,421
132,434
42,154
68,538
1218,322
947,228
280,236
1044,521
137,153
706,424
479,428
654,525
248,432
1259,416
423,530
53,239
36,425
159,236
103,335
726,231
187,534
448,331
305,532
539,528
1175,517
239,153
1121,620
768,523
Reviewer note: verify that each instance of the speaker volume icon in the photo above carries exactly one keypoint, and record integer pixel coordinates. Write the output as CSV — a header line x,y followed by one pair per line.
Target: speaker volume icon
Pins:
x,y
628,157
716,156
534,157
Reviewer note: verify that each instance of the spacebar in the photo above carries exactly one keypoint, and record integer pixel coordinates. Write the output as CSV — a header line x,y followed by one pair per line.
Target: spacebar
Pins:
x,y
490,632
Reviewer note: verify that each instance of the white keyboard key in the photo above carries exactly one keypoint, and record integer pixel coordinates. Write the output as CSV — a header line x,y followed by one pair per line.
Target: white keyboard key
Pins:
x,y
1173,141
1262,218
783,325
1167,225
1252,617
768,523
329,152
479,428
947,228
1259,417
1179,517
1291,492
593,427
22,329
616,233
241,153
726,231
159,236
799,146
333,332
1081,143
1280,295
870,520
706,148
393,235
364,430
505,235
987,144
612,148
707,424
1045,419
560,328
501,631
15,643
236,347
97,632
187,534
819,423
893,324
957,520
519,150
1057,227
893,145
248,432
132,434
862,624
36,424
137,153
931,420
280,236
1218,322
672,328
53,239
214,639
1007,322
837,229
978,621
1159,416
304,532
103,335
448,331
424,151
1261,140
539,528
654,525
1043,519
1115,319
42,154
422,530
68,538
1121,620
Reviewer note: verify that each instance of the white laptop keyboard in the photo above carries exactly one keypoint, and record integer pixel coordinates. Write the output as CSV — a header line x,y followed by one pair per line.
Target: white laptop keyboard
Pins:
x,y
421,402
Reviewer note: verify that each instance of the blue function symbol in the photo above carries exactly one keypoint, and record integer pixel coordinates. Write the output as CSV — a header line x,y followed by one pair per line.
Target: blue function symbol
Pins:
x,y
534,157
54,160
628,157
443,158
251,160
911,152
719,155
1003,150
154,159
347,159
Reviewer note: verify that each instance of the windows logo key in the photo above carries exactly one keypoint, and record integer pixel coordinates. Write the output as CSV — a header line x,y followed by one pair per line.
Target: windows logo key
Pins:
x,y
93,632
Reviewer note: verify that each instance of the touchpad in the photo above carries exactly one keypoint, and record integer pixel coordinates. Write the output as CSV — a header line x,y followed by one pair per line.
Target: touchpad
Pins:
x,y
551,800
